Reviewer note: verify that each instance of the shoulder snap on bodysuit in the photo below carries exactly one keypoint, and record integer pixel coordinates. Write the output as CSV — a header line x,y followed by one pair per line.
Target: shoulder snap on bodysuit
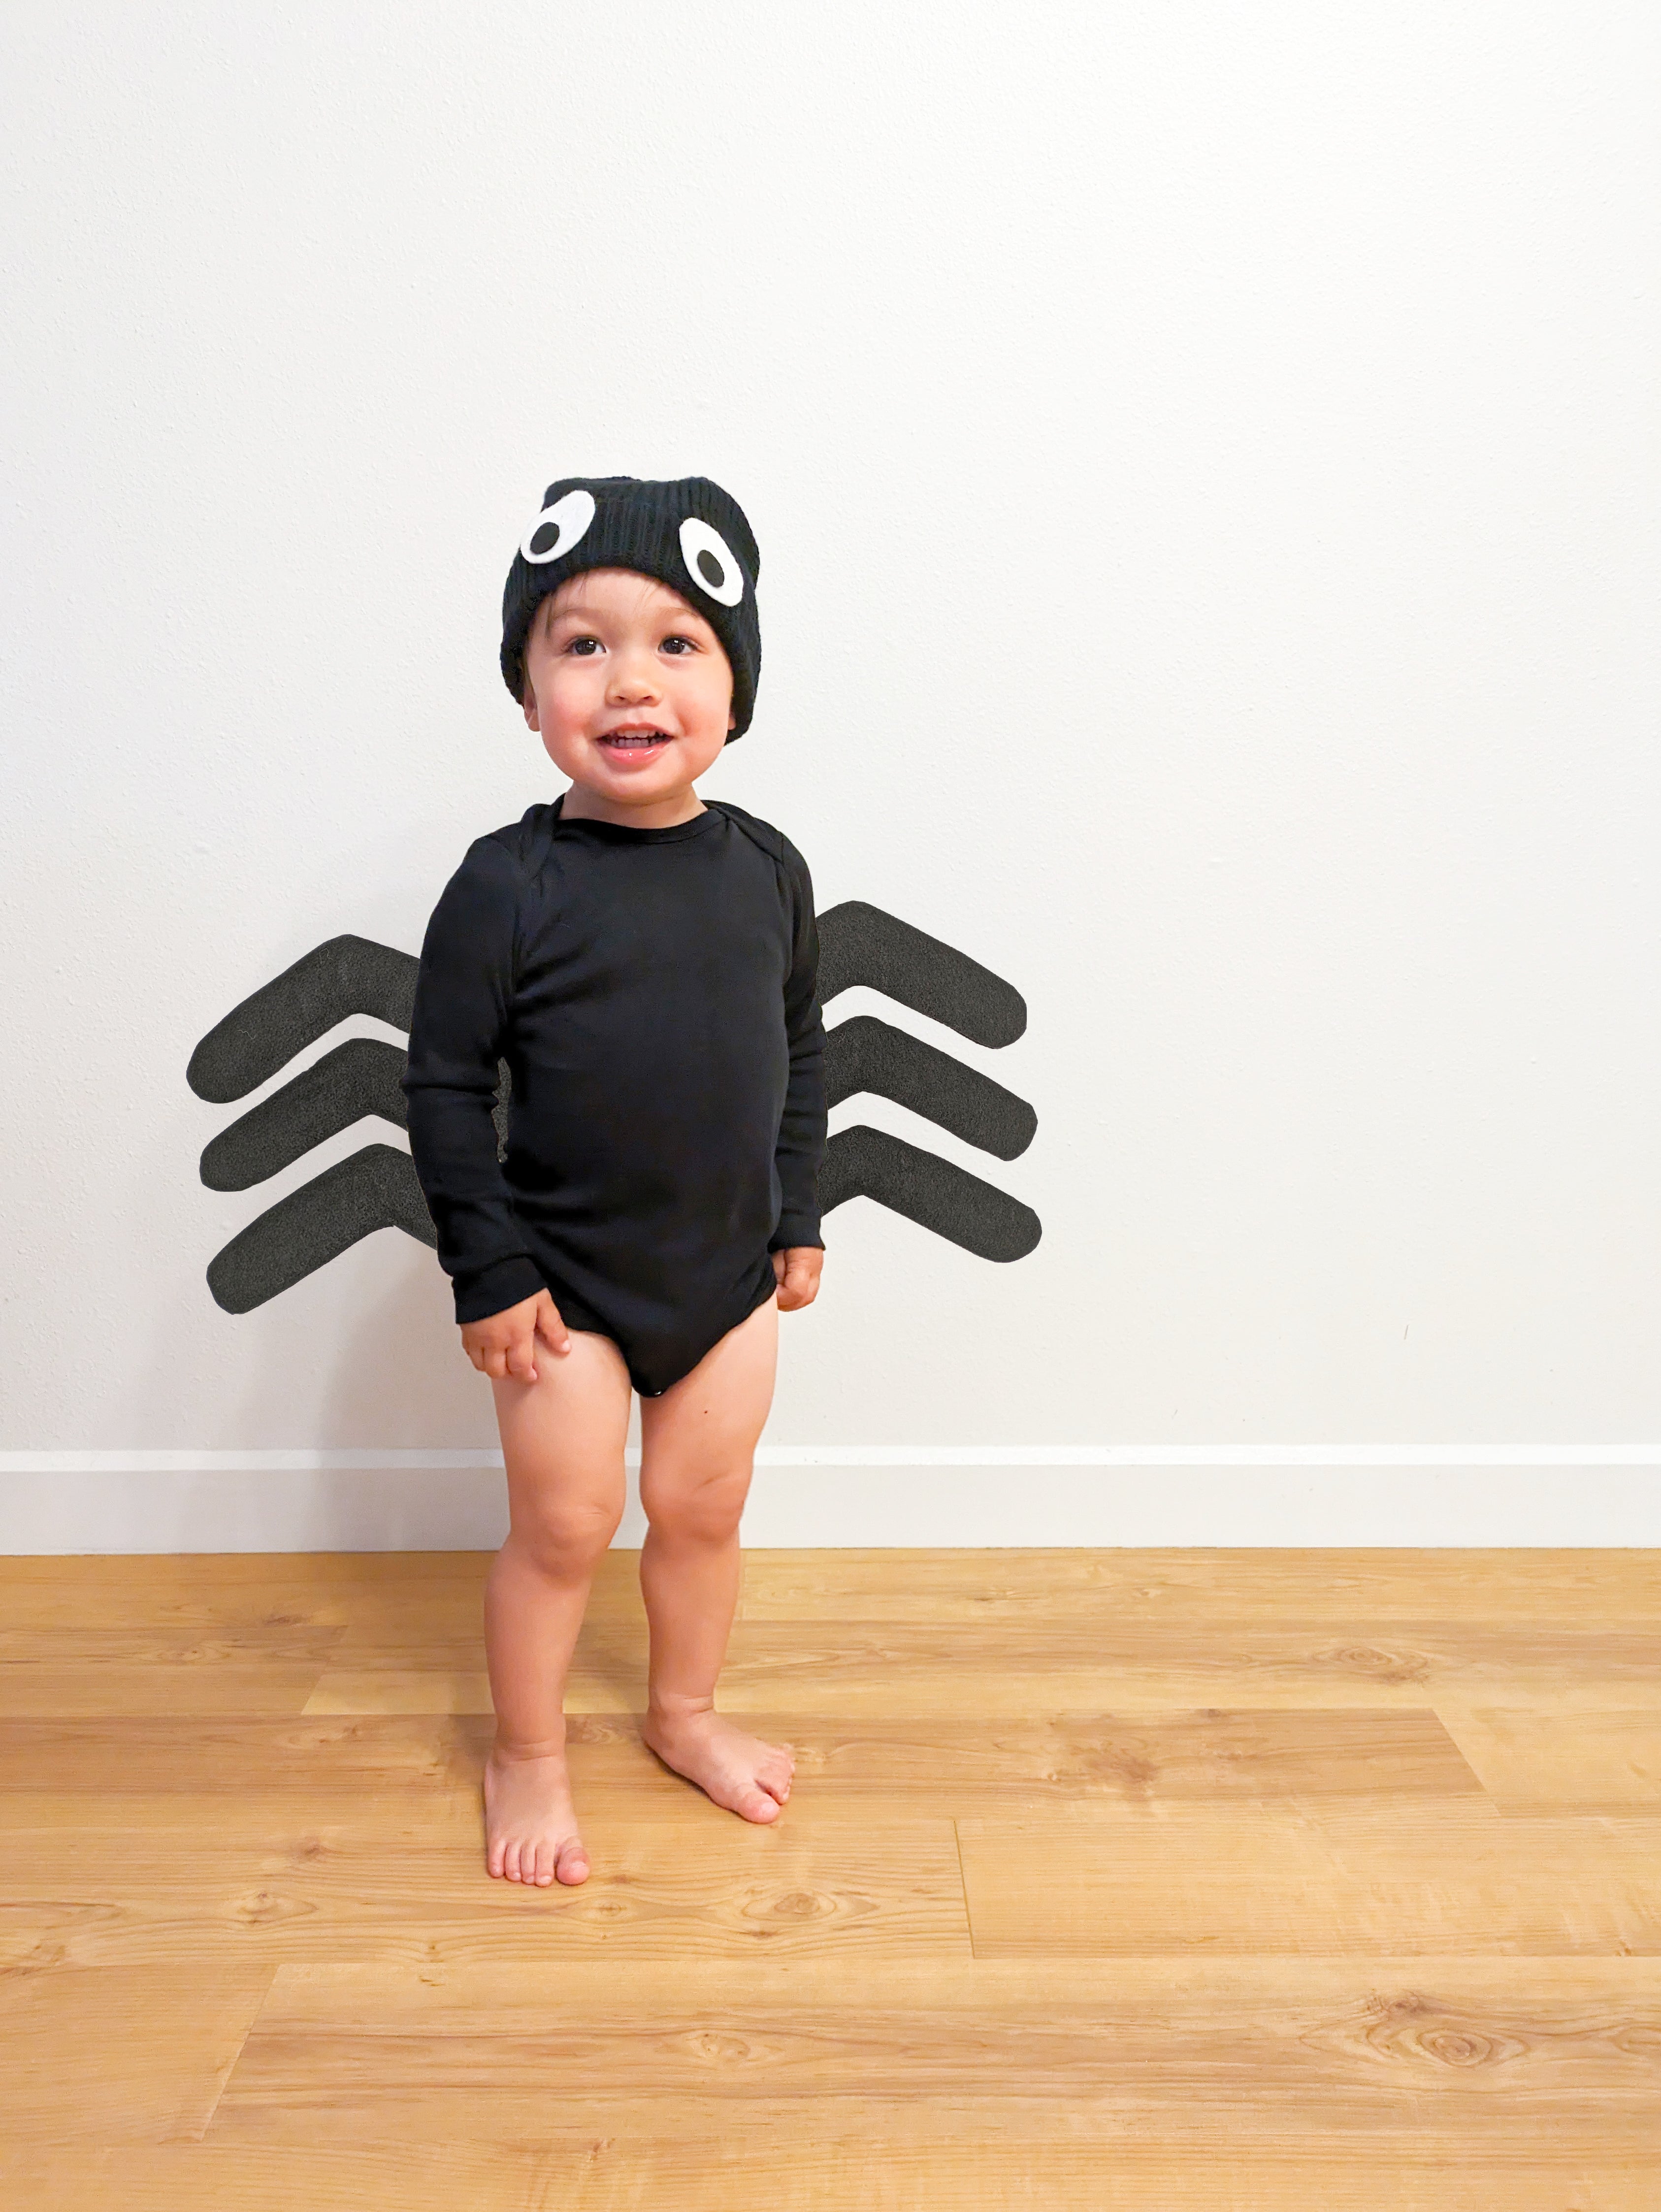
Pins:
x,y
653,994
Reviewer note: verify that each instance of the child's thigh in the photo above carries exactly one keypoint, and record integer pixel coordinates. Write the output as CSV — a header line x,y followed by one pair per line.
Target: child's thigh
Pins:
x,y
707,1424
563,1435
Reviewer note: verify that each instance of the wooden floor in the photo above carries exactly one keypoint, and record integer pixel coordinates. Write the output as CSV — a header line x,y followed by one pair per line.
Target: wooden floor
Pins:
x,y
1182,1882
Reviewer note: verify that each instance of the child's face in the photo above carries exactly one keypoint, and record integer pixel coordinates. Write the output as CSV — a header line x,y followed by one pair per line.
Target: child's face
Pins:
x,y
627,685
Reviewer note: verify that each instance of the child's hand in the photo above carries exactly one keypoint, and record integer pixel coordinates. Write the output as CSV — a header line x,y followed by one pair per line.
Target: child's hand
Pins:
x,y
503,1344
796,1271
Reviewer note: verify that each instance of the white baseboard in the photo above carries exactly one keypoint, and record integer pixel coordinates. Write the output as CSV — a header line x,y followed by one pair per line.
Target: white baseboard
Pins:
x,y
60,1502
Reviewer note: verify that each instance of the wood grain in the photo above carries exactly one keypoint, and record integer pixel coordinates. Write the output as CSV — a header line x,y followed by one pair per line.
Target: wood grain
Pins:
x,y
120,2053
1584,1586
1150,1755
1199,1587
1077,1668
229,1753
1432,1879
695,1883
1373,2173
969,1762
1535,1762
116,1687
86,1579
991,2050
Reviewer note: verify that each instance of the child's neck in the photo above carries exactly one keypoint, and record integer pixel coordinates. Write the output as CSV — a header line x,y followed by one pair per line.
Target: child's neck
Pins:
x,y
663,812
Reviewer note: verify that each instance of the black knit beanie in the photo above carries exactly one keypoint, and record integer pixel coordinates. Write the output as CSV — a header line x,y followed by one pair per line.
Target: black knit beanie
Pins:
x,y
690,534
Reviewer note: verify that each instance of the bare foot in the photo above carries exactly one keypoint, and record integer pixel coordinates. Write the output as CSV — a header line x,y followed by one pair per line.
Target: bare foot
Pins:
x,y
530,1823
737,1770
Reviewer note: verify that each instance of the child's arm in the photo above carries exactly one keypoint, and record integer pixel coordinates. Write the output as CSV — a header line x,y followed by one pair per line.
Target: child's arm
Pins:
x,y
797,1247
463,989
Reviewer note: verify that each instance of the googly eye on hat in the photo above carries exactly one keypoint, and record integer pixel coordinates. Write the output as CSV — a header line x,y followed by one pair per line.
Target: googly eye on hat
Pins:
x,y
688,533
558,528
711,562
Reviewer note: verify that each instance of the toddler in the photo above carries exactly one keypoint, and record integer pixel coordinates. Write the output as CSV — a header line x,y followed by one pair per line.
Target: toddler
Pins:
x,y
646,963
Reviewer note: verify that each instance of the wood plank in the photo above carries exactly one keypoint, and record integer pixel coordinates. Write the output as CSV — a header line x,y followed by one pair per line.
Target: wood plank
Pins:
x,y
1447,1877
952,1763
405,1690
1459,2051
36,1617
1199,1586
942,1584
964,1763
79,1573
34,1824
151,1686
1198,2171
899,1669
698,1883
213,1754
119,2053
1535,1760
1160,1752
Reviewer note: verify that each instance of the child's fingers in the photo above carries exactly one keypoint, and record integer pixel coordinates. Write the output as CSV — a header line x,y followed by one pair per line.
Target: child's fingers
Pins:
x,y
521,1361
799,1281
504,1346
549,1327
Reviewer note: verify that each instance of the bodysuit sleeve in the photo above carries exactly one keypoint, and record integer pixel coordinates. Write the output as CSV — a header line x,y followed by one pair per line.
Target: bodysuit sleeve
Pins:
x,y
801,1128
464,989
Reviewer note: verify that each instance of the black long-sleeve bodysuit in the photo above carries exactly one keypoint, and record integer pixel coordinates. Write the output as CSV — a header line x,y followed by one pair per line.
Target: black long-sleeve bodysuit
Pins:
x,y
653,994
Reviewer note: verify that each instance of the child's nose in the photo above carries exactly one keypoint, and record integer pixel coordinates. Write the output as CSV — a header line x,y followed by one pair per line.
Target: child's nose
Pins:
x,y
632,678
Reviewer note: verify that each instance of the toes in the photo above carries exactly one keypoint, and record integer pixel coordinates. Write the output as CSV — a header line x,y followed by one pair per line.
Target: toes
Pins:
x,y
757,1805
537,1863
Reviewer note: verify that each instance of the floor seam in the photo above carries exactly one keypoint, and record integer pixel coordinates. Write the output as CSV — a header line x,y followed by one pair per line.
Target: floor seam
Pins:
x,y
236,2058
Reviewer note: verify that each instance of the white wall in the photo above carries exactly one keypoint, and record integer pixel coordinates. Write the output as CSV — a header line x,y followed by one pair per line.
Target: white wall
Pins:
x,y
1204,460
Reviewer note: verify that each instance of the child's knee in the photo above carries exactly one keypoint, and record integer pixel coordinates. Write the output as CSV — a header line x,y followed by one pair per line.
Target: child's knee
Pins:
x,y
565,1536
706,1512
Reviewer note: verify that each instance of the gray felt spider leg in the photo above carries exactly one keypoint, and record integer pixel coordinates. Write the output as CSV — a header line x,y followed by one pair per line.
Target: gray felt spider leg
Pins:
x,y
376,1187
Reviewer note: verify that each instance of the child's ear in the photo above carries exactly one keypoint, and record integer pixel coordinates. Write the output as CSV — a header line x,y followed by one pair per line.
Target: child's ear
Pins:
x,y
529,703
732,722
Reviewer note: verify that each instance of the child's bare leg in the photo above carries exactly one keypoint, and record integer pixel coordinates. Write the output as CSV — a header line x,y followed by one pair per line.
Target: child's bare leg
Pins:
x,y
697,1441
562,1439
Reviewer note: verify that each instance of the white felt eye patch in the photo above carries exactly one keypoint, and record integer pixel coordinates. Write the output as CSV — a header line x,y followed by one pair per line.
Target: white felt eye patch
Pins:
x,y
710,564
558,528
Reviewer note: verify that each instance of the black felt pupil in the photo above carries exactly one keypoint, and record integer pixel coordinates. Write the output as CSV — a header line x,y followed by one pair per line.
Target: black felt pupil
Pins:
x,y
543,538
710,569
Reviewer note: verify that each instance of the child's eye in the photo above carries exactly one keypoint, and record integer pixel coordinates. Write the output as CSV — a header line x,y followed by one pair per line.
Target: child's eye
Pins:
x,y
711,562
677,645
557,528
584,647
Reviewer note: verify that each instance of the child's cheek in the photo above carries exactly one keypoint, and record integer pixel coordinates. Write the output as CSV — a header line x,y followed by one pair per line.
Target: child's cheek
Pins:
x,y
577,695
705,699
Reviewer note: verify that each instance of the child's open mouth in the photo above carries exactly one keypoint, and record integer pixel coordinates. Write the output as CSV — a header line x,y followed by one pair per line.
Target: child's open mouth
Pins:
x,y
635,746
